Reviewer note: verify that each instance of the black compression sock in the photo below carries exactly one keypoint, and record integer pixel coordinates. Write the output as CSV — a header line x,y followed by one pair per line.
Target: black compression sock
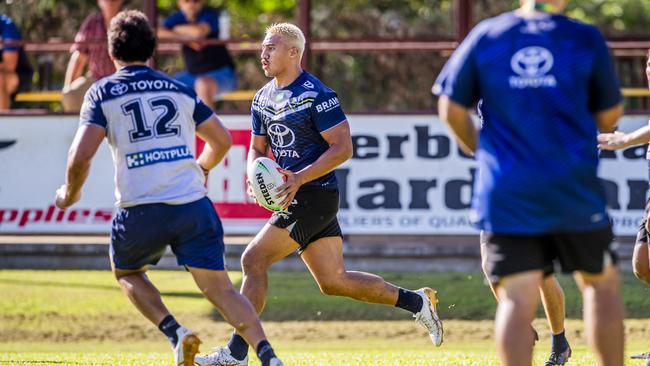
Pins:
x,y
409,300
169,326
559,343
238,347
265,352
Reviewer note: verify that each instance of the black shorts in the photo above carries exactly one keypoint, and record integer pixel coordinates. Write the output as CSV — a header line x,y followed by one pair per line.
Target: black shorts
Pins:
x,y
312,216
584,251
642,235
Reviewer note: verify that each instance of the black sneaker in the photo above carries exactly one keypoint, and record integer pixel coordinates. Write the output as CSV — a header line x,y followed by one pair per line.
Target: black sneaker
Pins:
x,y
559,358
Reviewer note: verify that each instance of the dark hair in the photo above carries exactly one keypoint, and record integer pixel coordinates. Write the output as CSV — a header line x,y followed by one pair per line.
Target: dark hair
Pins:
x,y
130,37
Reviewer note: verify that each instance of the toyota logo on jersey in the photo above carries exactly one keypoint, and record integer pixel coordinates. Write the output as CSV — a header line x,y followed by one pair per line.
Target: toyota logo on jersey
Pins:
x,y
532,61
532,65
119,89
281,135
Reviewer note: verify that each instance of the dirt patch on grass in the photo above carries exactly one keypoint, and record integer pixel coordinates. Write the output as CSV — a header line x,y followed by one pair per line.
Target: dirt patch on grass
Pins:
x,y
56,328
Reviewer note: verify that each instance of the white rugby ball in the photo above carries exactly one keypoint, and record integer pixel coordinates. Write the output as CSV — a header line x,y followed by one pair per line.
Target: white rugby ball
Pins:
x,y
264,177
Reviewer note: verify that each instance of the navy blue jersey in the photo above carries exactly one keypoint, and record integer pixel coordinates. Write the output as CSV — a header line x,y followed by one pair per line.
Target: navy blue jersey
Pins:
x,y
292,118
540,80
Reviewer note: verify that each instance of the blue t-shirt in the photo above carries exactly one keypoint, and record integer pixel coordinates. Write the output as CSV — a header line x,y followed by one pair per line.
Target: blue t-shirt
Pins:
x,y
540,80
210,57
150,121
293,118
9,32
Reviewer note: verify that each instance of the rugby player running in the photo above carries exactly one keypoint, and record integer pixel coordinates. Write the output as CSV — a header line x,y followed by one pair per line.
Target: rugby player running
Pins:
x,y
150,120
301,121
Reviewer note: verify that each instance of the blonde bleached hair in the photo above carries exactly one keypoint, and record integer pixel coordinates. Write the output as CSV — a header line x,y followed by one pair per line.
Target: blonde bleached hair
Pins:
x,y
290,33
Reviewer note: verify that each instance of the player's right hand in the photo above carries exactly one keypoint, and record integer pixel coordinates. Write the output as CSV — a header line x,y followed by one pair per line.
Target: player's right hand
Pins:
x,y
63,199
612,141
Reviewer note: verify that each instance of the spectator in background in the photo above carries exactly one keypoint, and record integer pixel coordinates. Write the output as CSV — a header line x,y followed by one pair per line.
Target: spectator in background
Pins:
x,y
210,69
94,54
15,70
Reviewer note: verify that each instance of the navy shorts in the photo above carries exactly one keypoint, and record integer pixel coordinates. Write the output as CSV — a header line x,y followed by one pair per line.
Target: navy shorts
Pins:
x,y
140,235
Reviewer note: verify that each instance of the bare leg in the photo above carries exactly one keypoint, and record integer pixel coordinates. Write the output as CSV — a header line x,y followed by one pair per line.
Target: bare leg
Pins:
x,y
234,307
142,293
518,299
484,256
603,314
553,301
641,262
324,258
270,245
206,88
8,84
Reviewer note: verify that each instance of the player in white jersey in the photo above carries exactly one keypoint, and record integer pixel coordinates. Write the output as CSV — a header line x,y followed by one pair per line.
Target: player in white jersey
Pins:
x,y
150,122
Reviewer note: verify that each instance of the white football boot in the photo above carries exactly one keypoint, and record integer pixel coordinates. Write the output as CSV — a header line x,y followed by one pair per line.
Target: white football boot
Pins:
x,y
428,316
276,362
186,348
221,356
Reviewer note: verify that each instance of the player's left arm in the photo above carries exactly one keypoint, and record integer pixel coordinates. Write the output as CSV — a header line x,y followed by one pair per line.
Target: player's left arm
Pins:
x,y
218,142
83,149
605,99
340,150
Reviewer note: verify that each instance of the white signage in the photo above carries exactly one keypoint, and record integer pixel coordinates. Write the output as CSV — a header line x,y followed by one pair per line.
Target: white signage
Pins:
x,y
407,176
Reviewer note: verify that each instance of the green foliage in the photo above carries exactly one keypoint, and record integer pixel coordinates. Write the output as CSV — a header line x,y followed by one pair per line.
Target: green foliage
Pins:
x,y
365,81
614,17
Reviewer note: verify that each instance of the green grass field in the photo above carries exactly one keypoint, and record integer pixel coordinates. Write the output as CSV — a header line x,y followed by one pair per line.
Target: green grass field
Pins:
x,y
81,318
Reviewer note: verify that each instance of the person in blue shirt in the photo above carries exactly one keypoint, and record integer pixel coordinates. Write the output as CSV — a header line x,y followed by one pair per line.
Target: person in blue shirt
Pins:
x,y
210,68
548,85
150,122
301,122
15,70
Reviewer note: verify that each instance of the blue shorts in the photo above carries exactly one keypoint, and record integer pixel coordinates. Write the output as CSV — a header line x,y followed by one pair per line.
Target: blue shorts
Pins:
x,y
140,235
225,77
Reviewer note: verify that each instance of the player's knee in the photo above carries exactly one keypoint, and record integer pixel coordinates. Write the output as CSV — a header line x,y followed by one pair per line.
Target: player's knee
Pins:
x,y
252,261
331,287
641,271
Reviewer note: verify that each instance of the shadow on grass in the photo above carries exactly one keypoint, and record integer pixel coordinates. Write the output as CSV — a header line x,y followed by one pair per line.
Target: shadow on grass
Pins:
x,y
116,288
60,284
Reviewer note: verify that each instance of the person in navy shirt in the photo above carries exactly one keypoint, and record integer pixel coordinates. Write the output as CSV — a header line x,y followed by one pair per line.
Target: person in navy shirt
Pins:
x,y
210,68
15,70
301,122
548,85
